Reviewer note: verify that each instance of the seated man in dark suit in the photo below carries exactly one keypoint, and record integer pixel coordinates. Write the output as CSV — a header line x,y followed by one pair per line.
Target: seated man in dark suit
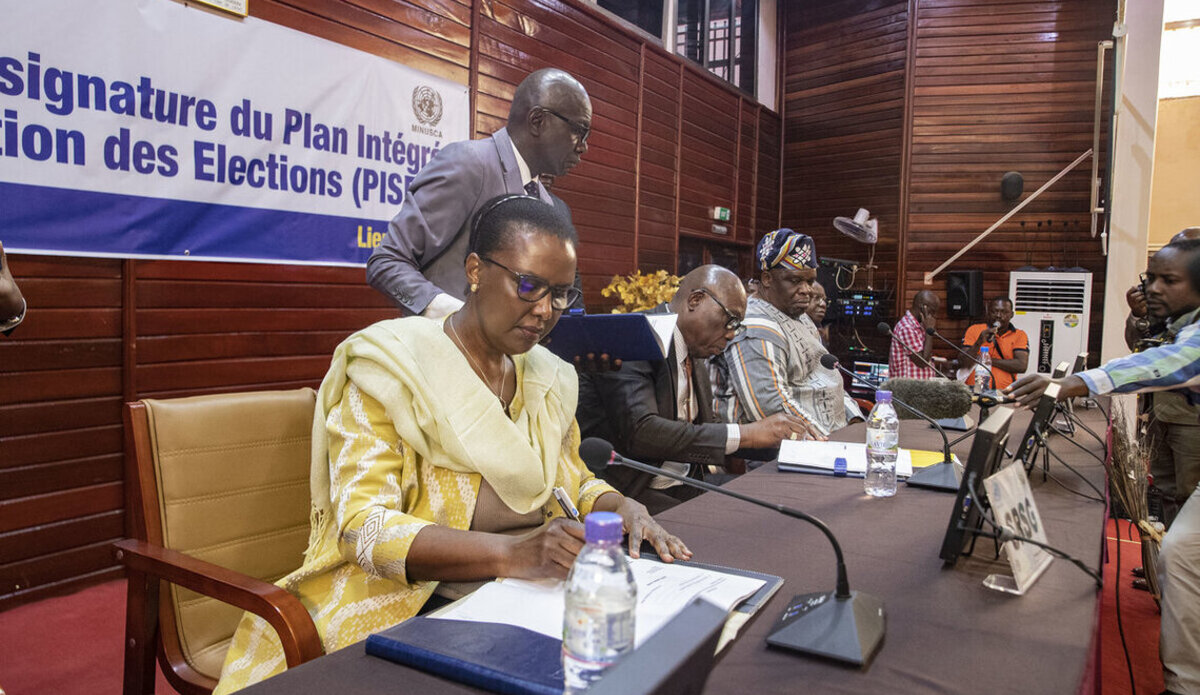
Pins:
x,y
661,412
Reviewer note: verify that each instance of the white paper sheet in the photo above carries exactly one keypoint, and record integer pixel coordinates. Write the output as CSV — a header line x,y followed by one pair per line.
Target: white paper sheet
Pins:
x,y
663,591
820,457
663,326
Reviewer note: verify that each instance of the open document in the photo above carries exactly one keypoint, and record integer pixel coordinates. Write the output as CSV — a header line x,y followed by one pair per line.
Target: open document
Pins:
x,y
807,456
663,590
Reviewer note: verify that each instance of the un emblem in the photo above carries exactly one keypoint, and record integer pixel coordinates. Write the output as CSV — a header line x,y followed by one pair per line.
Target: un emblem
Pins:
x,y
427,105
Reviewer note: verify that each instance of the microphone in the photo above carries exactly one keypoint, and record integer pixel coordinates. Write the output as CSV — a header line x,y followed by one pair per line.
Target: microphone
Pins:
x,y
940,399
956,346
885,329
940,476
844,625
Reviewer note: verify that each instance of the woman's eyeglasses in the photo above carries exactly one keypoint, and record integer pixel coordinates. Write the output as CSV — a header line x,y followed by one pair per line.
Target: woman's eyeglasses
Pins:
x,y
532,288
734,323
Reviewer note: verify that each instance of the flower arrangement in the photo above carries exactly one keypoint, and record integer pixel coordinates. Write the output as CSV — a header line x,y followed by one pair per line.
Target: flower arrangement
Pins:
x,y
639,292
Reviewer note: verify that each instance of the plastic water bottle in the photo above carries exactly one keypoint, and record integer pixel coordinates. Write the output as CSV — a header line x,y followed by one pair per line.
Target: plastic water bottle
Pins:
x,y
883,444
598,622
983,371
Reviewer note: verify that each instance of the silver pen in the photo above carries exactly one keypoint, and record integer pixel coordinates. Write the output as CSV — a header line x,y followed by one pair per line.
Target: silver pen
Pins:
x,y
564,501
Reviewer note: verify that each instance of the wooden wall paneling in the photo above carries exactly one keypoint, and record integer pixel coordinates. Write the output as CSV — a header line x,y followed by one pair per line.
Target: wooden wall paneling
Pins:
x,y
353,26
747,171
658,175
47,416
905,164
60,445
768,213
212,326
999,88
844,94
637,148
708,156
23,544
473,69
678,163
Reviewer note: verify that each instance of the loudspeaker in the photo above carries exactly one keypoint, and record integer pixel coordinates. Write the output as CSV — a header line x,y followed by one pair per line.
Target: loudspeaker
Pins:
x,y
964,293
1011,185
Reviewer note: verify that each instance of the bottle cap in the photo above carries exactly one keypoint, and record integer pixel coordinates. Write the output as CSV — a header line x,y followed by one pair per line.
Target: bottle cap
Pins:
x,y
883,396
603,527
983,350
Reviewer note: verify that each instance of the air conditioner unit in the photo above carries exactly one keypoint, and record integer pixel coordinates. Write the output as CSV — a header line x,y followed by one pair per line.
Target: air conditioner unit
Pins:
x,y
1053,308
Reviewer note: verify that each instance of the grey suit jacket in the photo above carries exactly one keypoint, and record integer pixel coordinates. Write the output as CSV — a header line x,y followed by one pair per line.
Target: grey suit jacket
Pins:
x,y
634,408
426,243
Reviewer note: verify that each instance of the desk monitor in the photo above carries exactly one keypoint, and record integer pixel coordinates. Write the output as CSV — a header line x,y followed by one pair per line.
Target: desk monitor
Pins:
x,y
987,452
874,372
1038,425
676,660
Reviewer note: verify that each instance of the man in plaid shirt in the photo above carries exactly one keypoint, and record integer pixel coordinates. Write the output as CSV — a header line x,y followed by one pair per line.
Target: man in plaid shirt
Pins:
x,y
911,329
1171,371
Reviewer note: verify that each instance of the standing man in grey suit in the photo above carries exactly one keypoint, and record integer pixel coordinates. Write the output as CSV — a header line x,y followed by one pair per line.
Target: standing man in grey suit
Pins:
x,y
419,264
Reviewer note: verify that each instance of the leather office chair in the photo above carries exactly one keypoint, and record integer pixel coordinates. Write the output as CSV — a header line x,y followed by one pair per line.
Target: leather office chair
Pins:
x,y
218,490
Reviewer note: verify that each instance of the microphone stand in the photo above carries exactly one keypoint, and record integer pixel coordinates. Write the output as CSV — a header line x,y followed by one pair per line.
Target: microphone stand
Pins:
x,y
951,343
940,476
844,625
985,402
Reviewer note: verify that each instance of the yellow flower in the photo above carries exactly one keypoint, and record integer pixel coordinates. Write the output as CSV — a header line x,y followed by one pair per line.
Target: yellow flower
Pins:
x,y
638,292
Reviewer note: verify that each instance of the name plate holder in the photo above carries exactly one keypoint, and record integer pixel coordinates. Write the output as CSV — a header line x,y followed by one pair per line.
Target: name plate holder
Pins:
x,y
1012,506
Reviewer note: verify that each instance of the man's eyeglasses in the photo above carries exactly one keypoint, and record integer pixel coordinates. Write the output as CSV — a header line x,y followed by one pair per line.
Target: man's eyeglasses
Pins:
x,y
532,288
734,323
581,132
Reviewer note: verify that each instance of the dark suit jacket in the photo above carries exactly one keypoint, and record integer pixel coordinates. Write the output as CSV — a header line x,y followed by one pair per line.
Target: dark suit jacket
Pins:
x,y
426,243
635,408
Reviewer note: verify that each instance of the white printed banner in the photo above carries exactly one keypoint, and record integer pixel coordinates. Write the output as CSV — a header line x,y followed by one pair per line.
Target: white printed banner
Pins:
x,y
146,128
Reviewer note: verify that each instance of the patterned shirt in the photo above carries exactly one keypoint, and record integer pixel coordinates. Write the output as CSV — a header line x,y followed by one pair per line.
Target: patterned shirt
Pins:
x,y
900,366
1174,365
775,366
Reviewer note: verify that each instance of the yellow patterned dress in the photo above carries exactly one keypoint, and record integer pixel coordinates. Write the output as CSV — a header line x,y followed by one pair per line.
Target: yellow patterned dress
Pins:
x,y
383,491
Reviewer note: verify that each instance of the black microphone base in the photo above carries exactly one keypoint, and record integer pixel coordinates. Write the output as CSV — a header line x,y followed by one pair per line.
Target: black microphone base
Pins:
x,y
847,630
939,476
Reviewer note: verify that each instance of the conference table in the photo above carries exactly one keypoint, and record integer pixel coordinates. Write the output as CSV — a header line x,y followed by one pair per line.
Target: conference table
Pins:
x,y
946,633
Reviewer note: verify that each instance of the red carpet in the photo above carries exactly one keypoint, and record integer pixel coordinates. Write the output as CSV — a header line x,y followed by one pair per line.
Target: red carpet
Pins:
x,y
72,644
67,645
1139,615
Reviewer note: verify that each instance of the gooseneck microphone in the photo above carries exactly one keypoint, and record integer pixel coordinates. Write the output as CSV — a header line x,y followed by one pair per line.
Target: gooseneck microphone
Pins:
x,y
844,625
885,329
951,343
940,476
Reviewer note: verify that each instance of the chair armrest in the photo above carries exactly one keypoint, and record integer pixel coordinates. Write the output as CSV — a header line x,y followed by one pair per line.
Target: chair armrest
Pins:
x,y
281,609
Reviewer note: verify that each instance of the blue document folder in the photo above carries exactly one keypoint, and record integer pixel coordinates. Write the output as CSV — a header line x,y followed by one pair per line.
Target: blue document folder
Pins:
x,y
499,658
620,336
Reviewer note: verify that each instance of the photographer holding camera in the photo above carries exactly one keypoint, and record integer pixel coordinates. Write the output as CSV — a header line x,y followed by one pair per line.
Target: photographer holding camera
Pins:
x,y
1140,327
1171,371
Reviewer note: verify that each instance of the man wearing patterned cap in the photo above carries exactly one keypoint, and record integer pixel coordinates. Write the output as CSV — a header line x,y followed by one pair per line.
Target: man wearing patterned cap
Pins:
x,y
775,364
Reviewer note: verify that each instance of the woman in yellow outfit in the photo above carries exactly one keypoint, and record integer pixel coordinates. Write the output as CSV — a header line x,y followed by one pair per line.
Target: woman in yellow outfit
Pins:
x,y
436,447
